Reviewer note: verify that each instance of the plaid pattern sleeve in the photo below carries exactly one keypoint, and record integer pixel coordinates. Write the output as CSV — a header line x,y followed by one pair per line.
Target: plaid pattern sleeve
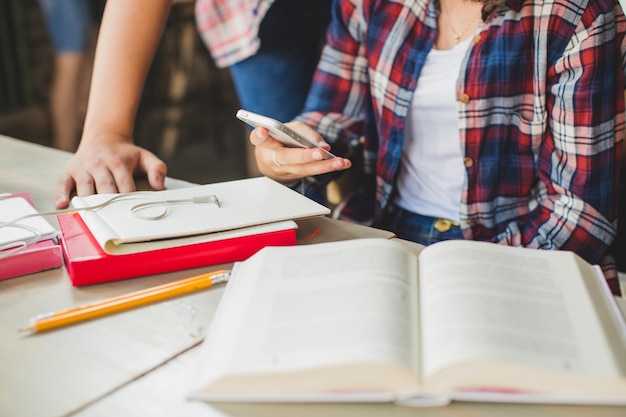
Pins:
x,y
541,113
543,126
230,28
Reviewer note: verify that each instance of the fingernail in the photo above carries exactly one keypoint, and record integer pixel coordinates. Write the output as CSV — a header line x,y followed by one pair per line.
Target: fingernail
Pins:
x,y
258,134
338,163
317,155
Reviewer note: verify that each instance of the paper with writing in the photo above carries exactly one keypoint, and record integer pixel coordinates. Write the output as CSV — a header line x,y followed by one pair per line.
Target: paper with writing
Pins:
x,y
475,321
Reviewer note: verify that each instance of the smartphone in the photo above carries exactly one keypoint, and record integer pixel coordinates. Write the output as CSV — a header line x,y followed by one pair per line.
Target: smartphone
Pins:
x,y
280,132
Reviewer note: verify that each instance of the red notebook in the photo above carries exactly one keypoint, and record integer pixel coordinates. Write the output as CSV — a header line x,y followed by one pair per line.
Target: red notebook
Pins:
x,y
87,263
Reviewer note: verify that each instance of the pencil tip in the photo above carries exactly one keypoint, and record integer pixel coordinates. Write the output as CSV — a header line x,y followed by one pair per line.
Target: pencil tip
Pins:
x,y
27,329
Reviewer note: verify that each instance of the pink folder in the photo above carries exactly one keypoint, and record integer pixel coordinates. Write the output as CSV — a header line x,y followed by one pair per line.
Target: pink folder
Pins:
x,y
40,256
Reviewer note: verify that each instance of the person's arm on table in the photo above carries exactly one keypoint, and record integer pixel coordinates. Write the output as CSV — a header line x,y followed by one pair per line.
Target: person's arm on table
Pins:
x,y
107,159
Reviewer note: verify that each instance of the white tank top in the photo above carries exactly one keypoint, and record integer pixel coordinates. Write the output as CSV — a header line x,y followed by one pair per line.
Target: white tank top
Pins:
x,y
431,174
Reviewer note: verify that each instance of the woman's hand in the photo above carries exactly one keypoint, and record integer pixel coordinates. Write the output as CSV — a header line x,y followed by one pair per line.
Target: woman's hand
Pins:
x,y
108,165
285,164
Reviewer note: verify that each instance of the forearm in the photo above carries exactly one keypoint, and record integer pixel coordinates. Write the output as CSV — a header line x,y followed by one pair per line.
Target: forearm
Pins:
x,y
129,35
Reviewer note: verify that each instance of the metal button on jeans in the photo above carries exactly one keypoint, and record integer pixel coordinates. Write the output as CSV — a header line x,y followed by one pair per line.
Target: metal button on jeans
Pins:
x,y
443,225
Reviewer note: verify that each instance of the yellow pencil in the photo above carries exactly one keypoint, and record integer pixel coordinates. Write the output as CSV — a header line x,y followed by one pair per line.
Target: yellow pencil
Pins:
x,y
48,321
148,291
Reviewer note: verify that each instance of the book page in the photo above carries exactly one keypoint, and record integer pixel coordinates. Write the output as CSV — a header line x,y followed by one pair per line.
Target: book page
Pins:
x,y
482,301
312,306
137,247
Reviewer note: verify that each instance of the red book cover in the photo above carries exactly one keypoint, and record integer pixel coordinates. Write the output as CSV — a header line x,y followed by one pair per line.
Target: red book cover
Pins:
x,y
87,263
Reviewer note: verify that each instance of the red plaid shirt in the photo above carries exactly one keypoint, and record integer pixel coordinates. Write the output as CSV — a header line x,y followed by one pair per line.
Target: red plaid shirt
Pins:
x,y
541,114
230,27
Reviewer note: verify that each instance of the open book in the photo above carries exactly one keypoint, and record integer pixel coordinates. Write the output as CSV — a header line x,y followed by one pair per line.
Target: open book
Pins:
x,y
369,320
180,217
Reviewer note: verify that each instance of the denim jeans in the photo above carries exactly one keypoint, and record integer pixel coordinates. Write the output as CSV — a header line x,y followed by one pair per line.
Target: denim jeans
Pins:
x,y
68,23
276,80
415,227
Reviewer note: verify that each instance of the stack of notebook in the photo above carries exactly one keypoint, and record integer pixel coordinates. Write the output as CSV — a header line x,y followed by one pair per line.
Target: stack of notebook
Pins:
x,y
146,233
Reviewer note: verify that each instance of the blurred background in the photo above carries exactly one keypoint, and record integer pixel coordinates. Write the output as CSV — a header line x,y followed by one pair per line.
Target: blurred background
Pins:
x,y
187,111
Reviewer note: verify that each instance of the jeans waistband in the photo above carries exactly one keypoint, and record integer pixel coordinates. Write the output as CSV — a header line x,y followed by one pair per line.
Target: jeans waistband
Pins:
x,y
419,228
440,223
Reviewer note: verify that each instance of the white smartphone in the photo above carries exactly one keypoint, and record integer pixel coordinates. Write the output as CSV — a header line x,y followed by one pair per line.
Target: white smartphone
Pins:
x,y
280,132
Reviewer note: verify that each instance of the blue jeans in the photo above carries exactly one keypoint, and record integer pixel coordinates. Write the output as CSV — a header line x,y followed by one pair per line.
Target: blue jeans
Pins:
x,y
68,23
415,227
276,80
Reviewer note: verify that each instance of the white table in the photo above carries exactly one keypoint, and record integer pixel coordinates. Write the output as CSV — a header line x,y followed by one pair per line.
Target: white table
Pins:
x,y
141,362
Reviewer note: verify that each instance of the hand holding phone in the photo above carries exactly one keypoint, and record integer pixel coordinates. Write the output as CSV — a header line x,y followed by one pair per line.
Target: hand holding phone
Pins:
x,y
280,132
